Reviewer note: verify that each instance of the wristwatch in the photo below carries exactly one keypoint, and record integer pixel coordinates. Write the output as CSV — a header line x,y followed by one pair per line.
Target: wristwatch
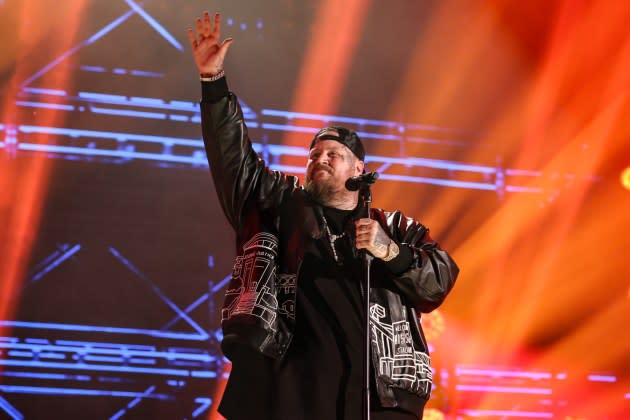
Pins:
x,y
392,251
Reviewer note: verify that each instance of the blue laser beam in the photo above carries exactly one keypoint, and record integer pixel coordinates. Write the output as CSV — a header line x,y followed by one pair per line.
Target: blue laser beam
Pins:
x,y
79,391
45,105
103,329
158,291
109,27
46,376
188,309
192,160
124,352
10,410
133,402
154,24
220,285
112,135
128,113
45,91
55,263
106,29
204,404
110,368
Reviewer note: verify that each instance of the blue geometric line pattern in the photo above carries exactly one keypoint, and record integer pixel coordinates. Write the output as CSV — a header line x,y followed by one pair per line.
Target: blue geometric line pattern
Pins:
x,y
52,326
154,24
10,410
133,403
135,8
57,258
55,360
204,404
76,48
197,158
153,108
65,391
203,298
157,291
118,353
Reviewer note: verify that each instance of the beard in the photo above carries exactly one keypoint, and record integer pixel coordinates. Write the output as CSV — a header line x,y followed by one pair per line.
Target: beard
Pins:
x,y
321,192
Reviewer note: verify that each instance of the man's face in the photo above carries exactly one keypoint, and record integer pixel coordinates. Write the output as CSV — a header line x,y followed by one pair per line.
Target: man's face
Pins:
x,y
329,166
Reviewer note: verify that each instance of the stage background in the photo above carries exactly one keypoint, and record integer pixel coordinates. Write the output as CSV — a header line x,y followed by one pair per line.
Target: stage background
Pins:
x,y
501,126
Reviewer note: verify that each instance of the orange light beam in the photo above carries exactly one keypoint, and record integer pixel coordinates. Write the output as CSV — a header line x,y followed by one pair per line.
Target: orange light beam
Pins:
x,y
220,384
335,33
22,201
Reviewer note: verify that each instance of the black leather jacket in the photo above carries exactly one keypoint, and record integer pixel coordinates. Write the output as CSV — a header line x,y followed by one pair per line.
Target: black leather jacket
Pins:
x,y
276,224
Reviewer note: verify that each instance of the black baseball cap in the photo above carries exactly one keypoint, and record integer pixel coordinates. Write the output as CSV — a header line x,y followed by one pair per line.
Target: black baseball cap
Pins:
x,y
348,138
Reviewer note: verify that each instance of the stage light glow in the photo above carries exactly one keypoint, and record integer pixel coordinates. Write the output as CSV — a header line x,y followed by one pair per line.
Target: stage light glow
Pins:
x,y
513,293
30,183
319,91
625,178
433,414
433,324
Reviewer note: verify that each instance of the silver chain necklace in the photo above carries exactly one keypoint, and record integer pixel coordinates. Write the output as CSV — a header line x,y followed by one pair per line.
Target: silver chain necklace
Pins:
x,y
332,238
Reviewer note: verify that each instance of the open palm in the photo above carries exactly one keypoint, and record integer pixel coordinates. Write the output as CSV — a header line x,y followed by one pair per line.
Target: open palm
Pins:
x,y
208,53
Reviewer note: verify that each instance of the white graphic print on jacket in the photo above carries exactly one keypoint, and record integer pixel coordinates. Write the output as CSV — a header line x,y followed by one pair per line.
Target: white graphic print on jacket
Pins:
x,y
255,285
397,358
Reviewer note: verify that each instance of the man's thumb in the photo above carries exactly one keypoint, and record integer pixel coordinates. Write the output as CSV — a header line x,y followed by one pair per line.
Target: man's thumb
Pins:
x,y
225,45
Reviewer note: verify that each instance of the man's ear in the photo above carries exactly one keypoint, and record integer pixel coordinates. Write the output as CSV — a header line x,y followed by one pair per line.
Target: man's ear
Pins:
x,y
359,167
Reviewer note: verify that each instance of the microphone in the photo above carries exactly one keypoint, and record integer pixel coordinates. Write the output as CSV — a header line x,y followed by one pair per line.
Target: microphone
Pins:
x,y
356,182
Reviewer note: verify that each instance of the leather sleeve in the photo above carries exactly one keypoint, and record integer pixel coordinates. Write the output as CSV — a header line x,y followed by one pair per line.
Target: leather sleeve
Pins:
x,y
242,180
432,272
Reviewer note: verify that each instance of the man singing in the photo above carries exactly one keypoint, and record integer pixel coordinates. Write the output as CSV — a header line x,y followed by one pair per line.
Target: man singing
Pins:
x,y
293,318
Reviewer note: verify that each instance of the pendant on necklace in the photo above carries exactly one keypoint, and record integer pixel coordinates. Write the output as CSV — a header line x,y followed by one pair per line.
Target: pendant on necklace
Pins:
x,y
332,238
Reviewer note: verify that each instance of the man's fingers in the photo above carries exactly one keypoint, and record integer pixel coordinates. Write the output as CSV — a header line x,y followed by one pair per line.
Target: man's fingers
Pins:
x,y
367,237
199,27
217,25
191,38
207,30
366,233
365,225
208,50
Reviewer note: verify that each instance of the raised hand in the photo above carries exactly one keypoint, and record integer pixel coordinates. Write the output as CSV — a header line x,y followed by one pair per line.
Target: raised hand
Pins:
x,y
208,53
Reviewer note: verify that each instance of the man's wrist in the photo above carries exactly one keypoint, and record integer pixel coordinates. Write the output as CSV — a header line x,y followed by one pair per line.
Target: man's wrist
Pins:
x,y
211,77
392,251
402,261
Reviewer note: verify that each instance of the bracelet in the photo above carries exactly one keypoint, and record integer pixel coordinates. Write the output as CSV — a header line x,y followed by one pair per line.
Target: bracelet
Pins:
x,y
209,77
392,251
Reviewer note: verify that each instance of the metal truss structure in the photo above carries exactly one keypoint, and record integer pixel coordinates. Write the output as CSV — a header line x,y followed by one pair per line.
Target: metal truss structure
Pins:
x,y
126,364
96,140
120,147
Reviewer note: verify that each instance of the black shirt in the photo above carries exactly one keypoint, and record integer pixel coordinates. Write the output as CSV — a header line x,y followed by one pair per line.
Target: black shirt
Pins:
x,y
321,376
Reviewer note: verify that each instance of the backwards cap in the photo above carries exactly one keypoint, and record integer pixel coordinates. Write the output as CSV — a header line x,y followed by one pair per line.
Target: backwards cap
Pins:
x,y
348,138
